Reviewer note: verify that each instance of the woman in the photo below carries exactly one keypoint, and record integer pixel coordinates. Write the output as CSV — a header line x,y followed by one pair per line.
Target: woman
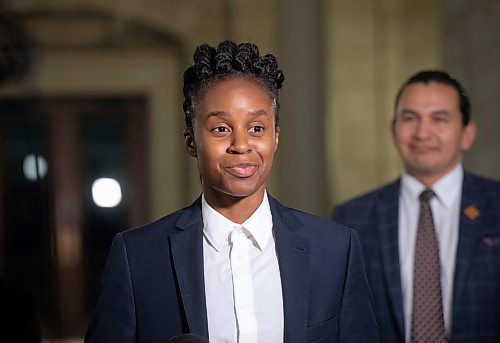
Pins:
x,y
236,265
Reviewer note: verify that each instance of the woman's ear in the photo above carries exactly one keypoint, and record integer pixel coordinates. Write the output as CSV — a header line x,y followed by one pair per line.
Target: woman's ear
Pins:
x,y
276,138
189,142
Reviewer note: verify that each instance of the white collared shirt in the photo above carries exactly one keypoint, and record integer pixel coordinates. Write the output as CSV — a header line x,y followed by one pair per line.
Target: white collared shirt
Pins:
x,y
446,214
262,310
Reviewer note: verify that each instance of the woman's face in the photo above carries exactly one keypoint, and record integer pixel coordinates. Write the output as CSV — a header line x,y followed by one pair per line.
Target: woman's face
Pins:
x,y
234,138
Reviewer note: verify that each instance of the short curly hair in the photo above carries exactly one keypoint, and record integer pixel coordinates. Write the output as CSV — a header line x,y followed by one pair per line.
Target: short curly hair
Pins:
x,y
228,60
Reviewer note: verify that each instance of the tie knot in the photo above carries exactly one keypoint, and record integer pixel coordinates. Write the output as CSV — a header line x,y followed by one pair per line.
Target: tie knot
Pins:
x,y
426,195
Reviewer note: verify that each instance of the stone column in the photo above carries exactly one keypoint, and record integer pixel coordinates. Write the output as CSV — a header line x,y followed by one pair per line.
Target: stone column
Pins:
x,y
471,52
300,172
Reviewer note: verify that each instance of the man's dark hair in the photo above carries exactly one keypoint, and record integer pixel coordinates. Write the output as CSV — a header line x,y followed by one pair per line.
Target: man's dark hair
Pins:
x,y
228,60
439,76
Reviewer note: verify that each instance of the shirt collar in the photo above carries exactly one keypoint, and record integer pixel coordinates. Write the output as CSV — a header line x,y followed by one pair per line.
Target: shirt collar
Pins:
x,y
445,188
217,227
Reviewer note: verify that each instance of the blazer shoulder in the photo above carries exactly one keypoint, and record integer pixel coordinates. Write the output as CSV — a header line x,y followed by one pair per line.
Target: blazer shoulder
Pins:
x,y
308,224
487,185
369,198
165,225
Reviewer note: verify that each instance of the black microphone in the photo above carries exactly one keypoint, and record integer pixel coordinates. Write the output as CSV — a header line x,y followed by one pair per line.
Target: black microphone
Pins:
x,y
187,338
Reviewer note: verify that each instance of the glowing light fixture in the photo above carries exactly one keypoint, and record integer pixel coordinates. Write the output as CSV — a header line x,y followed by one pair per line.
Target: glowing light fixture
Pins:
x,y
30,165
106,192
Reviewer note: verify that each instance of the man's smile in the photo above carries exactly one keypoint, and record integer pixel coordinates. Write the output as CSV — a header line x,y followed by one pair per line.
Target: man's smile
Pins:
x,y
422,148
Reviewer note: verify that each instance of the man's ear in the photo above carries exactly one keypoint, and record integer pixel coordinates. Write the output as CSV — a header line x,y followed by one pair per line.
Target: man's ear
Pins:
x,y
393,130
189,142
469,135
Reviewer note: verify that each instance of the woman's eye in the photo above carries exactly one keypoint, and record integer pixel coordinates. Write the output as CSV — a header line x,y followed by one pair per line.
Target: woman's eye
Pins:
x,y
220,129
257,129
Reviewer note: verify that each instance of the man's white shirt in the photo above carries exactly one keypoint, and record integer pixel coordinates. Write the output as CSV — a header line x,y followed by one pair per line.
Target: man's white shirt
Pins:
x,y
445,208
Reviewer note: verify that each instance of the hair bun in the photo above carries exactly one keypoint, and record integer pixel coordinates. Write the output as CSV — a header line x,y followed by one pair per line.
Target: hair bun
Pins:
x,y
228,58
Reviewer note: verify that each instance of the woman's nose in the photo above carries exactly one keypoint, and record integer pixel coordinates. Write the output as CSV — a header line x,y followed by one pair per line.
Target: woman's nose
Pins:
x,y
239,142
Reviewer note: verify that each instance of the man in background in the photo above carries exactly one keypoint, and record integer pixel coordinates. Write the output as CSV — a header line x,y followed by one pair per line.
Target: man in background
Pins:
x,y
431,239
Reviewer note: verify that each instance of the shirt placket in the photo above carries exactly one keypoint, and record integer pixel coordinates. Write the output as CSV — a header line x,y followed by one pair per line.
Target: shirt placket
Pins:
x,y
242,287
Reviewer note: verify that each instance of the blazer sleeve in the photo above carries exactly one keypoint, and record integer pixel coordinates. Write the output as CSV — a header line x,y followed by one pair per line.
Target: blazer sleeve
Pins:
x,y
113,318
357,317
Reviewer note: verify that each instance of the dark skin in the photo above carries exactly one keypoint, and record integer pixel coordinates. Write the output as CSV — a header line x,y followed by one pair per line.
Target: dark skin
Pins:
x,y
234,138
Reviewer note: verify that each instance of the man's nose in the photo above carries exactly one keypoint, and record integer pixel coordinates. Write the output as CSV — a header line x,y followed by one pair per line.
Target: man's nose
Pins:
x,y
423,128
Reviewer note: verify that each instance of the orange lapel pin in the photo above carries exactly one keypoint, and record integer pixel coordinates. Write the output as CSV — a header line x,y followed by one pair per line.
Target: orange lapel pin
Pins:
x,y
471,212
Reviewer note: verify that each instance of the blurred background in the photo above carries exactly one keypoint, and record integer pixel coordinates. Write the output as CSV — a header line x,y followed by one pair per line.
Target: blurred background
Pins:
x,y
91,120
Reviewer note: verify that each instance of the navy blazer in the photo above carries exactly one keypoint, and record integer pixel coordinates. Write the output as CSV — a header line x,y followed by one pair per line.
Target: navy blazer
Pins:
x,y
476,289
153,286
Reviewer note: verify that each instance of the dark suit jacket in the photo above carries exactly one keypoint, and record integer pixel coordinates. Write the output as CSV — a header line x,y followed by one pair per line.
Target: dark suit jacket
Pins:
x,y
476,290
153,285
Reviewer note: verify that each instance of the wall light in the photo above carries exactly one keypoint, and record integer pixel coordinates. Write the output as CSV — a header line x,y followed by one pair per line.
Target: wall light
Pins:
x,y
30,164
106,192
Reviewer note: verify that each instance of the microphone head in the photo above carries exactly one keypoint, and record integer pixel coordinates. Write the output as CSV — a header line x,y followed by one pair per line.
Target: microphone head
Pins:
x,y
187,338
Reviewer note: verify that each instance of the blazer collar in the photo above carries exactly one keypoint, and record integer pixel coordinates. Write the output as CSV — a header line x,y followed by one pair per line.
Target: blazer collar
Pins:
x,y
292,251
470,231
387,226
187,255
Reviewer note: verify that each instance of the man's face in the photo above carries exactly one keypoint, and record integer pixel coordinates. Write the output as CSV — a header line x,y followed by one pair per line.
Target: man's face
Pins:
x,y
428,130
234,139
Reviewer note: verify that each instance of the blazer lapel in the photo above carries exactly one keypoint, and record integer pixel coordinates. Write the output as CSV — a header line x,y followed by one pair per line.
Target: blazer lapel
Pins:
x,y
187,256
469,234
294,270
387,225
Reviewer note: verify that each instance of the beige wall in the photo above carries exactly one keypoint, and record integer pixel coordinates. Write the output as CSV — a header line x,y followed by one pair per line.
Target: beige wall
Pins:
x,y
471,50
372,47
344,61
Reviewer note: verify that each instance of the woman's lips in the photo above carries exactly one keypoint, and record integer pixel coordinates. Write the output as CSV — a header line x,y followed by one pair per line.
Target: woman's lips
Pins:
x,y
242,169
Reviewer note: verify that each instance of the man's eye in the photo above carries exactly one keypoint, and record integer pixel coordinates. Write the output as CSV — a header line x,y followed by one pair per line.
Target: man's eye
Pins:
x,y
408,117
440,118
